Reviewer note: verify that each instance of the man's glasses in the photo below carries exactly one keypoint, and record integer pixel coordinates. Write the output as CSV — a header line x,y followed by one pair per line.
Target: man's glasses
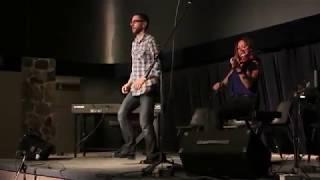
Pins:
x,y
136,20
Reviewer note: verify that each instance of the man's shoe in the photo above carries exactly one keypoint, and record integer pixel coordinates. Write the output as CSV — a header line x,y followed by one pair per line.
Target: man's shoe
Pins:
x,y
116,153
128,155
124,155
149,161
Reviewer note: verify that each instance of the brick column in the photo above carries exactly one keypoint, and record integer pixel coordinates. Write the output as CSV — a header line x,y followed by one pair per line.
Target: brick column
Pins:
x,y
38,94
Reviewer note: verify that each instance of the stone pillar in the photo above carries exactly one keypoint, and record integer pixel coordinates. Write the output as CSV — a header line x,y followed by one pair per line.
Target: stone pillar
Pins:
x,y
38,94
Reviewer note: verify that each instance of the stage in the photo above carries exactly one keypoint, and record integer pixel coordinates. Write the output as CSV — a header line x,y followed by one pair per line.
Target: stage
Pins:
x,y
102,166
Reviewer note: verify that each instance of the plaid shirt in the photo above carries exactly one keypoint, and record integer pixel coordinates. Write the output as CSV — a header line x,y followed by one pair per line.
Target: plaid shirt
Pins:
x,y
143,54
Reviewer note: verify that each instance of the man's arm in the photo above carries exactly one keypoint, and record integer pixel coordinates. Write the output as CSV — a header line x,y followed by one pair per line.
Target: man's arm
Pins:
x,y
154,53
154,74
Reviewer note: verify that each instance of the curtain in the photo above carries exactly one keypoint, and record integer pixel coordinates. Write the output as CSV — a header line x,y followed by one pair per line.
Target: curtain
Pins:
x,y
281,72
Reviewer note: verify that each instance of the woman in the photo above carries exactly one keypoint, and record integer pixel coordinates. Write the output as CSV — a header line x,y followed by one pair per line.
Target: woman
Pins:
x,y
241,81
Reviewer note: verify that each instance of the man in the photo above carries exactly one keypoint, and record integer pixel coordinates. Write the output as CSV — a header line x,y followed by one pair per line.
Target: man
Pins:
x,y
140,90
241,81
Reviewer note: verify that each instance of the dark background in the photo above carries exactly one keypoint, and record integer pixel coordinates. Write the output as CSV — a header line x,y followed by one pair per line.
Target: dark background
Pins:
x,y
98,31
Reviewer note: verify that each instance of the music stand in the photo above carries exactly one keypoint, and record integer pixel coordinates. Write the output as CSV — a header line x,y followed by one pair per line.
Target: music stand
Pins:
x,y
297,132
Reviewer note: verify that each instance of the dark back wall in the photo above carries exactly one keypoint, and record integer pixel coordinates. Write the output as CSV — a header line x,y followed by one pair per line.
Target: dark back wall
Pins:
x,y
98,31
11,113
208,20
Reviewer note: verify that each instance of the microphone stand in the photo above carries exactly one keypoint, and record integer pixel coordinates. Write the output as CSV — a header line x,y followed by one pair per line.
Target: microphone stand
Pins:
x,y
162,158
297,133
22,167
172,33
296,139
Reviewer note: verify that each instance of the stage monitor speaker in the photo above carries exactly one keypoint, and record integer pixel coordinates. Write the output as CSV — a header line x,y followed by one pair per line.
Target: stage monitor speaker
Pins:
x,y
33,147
224,153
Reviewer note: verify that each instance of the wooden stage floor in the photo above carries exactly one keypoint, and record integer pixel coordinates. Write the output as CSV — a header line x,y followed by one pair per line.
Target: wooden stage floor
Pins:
x,y
102,166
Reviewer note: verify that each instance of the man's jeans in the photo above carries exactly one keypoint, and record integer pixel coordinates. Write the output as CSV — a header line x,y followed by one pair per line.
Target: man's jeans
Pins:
x,y
146,117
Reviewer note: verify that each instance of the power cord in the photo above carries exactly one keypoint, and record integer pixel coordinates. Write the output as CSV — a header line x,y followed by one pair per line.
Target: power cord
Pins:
x,y
92,131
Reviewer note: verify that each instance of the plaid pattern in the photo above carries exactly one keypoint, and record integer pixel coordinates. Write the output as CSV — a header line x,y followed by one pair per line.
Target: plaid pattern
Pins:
x,y
143,54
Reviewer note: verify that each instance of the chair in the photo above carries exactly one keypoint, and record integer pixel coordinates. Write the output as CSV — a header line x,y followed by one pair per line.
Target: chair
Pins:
x,y
199,121
284,108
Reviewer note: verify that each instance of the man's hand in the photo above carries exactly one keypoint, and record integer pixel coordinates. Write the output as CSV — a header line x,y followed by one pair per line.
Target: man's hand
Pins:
x,y
126,88
137,84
